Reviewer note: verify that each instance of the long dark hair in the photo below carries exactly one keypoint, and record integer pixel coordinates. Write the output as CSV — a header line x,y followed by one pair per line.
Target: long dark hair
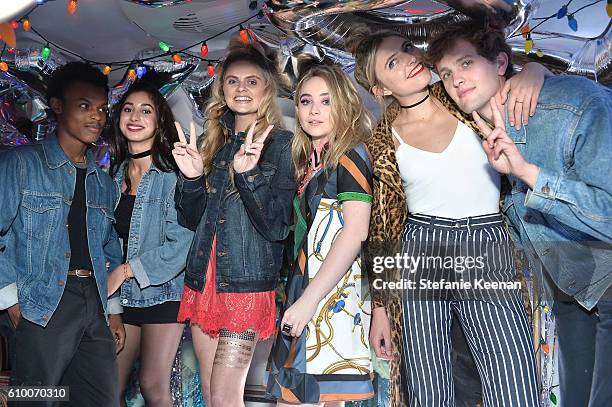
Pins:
x,y
165,134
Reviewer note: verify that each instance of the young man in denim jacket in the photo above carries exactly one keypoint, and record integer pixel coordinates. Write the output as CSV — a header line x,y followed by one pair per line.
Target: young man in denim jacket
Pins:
x,y
560,204
59,243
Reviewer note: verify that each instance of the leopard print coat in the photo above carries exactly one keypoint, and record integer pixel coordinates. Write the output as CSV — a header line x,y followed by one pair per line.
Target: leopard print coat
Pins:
x,y
389,216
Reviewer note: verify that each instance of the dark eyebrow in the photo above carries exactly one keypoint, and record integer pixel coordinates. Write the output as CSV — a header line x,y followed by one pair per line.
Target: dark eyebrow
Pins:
x,y
463,57
86,100
390,57
144,104
247,77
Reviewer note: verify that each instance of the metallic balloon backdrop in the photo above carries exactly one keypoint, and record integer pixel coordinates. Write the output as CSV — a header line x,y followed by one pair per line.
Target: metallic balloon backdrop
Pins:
x,y
326,24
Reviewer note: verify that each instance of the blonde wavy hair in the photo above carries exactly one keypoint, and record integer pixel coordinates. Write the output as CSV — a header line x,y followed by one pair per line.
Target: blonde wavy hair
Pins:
x,y
352,123
364,45
215,135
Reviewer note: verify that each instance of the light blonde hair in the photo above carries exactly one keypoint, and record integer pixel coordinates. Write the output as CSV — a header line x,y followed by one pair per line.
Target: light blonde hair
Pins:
x,y
215,135
364,45
352,123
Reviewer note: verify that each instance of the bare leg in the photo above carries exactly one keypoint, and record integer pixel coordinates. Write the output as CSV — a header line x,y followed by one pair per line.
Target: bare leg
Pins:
x,y
328,404
126,358
231,365
205,347
158,350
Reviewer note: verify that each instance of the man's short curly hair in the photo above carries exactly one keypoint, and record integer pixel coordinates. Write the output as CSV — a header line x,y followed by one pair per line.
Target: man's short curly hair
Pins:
x,y
66,75
488,40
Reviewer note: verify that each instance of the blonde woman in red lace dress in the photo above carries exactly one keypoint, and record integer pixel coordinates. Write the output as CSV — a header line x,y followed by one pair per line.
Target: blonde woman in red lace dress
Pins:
x,y
235,192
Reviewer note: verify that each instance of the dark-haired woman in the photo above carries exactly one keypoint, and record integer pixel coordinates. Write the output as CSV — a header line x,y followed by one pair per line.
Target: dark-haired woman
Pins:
x,y
154,245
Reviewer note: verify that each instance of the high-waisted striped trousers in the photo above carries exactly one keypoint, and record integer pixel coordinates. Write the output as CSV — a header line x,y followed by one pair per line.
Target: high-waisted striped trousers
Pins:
x,y
494,321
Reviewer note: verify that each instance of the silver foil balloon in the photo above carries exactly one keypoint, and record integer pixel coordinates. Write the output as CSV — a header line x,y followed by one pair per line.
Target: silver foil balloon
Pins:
x,y
327,24
595,57
172,80
198,88
26,94
35,109
158,3
330,22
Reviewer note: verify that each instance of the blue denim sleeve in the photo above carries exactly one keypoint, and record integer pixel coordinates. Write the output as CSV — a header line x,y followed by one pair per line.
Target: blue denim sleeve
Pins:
x,y
583,201
113,254
190,198
268,201
13,173
112,247
163,263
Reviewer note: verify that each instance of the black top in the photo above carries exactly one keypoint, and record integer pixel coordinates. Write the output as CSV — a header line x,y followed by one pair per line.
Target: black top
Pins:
x,y
77,225
123,216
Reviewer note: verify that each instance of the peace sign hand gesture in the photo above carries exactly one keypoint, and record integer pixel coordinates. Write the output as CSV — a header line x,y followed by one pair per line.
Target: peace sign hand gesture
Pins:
x,y
502,153
186,155
248,156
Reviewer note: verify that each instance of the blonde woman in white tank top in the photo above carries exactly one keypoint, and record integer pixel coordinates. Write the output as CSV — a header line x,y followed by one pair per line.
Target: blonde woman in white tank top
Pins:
x,y
452,195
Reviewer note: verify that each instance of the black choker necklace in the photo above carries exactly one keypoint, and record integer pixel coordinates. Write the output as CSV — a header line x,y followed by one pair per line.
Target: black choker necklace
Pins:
x,y
140,155
415,104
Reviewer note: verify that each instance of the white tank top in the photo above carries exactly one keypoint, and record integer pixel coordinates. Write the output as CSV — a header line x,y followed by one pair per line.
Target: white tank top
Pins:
x,y
456,183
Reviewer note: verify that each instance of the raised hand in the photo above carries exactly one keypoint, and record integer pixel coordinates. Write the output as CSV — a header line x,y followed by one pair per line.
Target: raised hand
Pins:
x,y
186,155
502,153
523,90
248,156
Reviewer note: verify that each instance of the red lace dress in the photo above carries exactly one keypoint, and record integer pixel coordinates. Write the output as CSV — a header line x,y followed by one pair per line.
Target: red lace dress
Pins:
x,y
236,312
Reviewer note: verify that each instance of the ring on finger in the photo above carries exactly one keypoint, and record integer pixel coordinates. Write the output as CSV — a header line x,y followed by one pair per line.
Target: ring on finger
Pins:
x,y
287,328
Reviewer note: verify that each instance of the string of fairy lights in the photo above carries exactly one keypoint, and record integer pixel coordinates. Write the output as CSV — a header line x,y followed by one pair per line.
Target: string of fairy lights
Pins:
x,y
166,50
176,57
563,12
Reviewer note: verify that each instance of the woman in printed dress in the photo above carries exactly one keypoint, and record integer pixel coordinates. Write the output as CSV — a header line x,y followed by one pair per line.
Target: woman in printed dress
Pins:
x,y
321,355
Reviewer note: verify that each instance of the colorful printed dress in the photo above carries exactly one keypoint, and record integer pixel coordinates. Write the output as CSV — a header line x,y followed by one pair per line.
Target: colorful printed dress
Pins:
x,y
330,361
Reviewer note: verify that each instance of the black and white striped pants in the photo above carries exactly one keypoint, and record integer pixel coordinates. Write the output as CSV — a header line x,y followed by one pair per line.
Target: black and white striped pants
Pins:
x,y
494,321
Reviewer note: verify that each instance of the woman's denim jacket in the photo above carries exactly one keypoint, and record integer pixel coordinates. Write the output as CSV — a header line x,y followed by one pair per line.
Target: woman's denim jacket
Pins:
x,y
158,245
565,220
250,220
35,196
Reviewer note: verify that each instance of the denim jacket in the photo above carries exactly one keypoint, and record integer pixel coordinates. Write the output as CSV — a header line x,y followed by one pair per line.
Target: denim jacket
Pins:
x,y
35,195
157,245
250,220
570,206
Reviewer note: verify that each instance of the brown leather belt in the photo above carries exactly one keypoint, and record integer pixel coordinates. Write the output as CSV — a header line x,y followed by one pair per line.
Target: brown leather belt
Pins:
x,y
80,273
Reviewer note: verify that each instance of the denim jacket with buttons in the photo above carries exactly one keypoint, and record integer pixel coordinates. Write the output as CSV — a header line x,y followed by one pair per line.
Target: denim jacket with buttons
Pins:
x,y
157,245
250,220
569,210
36,191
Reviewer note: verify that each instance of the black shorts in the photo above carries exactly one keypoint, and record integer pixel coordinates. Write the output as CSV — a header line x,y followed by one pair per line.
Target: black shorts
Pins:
x,y
164,313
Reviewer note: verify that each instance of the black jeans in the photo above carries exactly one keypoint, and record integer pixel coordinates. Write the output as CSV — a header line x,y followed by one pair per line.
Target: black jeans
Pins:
x,y
75,349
